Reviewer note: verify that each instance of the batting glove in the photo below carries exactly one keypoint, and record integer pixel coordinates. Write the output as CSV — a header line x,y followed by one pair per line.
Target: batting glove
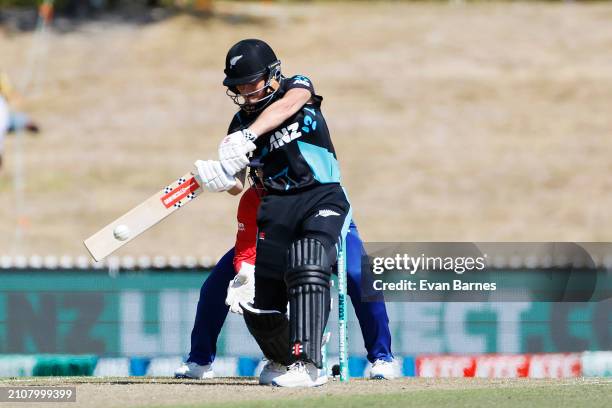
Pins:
x,y
241,288
213,176
234,149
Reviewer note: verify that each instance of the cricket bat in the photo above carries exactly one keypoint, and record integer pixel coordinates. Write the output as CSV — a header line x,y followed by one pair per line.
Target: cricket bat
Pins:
x,y
143,216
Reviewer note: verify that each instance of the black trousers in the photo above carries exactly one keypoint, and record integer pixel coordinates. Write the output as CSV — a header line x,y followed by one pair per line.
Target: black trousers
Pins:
x,y
319,213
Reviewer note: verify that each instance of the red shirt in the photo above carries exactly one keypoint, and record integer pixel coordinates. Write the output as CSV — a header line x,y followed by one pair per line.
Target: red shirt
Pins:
x,y
246,237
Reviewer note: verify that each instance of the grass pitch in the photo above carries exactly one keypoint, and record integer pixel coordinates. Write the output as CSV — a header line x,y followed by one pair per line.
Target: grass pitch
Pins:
x,y
405,392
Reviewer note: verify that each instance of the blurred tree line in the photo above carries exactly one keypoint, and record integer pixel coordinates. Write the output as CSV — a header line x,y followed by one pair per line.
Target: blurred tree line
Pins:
x,y
80,6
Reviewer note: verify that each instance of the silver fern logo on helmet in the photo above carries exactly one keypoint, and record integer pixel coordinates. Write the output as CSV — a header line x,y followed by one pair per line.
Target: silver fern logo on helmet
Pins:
x,y
234,60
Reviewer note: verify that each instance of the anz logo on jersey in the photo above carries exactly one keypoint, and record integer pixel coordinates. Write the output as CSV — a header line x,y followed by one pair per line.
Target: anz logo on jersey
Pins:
x,y
301,80
285,135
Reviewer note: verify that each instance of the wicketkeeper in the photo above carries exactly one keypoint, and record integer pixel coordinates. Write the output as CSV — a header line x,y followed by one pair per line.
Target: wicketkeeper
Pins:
x,y
236,269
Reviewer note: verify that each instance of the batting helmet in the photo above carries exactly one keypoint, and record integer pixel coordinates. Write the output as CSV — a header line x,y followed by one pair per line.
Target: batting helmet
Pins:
x,y
249,61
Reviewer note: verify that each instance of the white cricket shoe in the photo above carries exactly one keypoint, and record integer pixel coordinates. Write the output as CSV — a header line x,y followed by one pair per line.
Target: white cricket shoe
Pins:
x,y
270,371
301,374
194,370
383,370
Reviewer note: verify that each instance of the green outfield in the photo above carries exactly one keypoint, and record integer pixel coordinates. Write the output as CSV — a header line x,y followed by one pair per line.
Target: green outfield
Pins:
x,y
530,395
406,392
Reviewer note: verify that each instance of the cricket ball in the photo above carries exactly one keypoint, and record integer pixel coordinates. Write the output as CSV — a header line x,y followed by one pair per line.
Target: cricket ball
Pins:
x,y
121,232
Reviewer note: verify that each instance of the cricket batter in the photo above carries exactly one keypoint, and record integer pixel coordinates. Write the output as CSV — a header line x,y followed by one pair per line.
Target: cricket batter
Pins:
x,y
301,219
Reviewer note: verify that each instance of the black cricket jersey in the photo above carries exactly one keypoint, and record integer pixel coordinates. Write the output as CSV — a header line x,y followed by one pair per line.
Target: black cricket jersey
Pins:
x,y
299,154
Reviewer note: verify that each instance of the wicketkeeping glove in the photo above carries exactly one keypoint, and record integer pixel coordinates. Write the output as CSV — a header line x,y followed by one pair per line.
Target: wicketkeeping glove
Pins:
x,y
213,176
234,149
241,288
